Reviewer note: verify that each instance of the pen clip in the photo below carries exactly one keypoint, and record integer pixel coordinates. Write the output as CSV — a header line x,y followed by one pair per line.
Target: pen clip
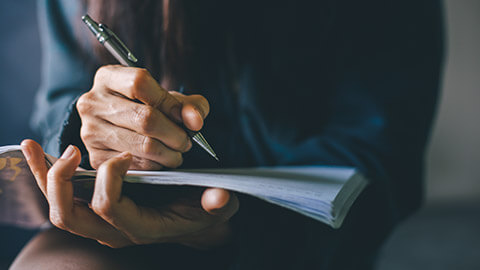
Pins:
x,y
109,32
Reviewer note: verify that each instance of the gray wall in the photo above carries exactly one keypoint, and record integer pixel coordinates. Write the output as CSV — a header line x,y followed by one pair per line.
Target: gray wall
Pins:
x,y
445,233
454,156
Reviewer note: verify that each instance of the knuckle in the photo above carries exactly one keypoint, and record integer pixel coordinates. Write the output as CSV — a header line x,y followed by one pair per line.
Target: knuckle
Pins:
x,y
102,206
91,139
149,146
84,104
95,160
59,220
139,78
182,143
57,173
175,162
102,73
86,131
145,118
163,98
84,134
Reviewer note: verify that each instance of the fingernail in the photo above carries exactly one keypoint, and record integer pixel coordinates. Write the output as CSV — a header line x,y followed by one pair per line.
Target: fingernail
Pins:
x,y
26,152
69,152
200,114
177,114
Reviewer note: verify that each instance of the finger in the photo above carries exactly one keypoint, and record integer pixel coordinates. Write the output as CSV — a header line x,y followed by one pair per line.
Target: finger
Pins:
x,y
138,84
146,120
35,157
108,202
220,202
98,156
141,225
67,215
108,186
194,110
59,186
102,135
192,119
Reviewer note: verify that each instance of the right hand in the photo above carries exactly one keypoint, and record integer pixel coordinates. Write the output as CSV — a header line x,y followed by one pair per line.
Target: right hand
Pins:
x,y
114,120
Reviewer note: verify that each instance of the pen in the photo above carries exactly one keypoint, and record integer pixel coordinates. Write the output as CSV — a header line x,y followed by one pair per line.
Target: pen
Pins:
x,y
123,55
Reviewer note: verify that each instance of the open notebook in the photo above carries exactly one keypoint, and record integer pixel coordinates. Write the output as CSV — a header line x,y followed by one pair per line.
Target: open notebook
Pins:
x,y
322,193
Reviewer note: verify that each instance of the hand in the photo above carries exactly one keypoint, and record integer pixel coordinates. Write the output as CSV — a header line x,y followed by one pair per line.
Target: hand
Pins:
x,y
126,110
115,220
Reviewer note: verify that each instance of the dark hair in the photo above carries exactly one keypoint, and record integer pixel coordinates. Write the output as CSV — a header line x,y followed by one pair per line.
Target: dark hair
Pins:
x,y
173,34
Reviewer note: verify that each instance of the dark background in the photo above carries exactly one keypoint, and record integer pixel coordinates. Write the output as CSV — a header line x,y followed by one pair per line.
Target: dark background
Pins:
x,y
19,79
444,234
19,68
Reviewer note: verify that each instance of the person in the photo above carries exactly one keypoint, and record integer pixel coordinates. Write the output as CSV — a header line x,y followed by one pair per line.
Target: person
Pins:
x,y
346,83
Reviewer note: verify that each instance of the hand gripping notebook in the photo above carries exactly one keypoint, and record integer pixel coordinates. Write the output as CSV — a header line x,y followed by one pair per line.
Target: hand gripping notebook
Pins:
x,y
322,193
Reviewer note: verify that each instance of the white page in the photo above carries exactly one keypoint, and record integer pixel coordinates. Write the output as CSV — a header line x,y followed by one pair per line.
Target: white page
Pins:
x,y
309,190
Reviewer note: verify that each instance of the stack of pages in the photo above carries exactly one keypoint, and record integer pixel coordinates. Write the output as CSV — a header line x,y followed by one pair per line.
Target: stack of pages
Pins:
x,y
322,193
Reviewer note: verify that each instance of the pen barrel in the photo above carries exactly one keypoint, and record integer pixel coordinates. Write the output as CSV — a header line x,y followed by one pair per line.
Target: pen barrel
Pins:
x,y
117,51
123,55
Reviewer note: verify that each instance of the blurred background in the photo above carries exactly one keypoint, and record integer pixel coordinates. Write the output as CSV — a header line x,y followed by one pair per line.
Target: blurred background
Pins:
x,y
444,234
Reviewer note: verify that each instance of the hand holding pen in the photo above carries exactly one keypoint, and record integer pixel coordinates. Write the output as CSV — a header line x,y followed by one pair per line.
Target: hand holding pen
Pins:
x,y
156,130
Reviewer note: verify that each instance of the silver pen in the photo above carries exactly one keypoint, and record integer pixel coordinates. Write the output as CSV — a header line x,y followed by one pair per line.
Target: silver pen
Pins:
x,y
123,55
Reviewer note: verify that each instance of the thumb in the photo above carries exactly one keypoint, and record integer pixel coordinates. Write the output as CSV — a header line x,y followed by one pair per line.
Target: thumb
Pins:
x,y
220,202
195,109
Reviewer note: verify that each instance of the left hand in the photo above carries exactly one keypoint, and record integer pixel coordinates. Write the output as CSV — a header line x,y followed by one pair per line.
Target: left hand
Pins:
x,y
115,220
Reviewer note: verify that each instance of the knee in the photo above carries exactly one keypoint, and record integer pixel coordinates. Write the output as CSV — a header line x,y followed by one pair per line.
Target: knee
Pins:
x,y
55,249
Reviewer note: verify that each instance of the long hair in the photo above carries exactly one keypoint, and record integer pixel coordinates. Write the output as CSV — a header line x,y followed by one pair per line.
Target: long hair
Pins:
x,y
168,35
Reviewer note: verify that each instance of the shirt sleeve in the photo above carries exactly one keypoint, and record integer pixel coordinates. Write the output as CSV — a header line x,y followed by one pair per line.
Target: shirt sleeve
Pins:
x,y
66,74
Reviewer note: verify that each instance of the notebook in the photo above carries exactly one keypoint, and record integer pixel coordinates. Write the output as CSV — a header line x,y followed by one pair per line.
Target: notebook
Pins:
x,y
323,193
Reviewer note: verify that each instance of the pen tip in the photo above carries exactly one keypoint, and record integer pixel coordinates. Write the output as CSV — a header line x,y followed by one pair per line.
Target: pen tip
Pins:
x,y
200,140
